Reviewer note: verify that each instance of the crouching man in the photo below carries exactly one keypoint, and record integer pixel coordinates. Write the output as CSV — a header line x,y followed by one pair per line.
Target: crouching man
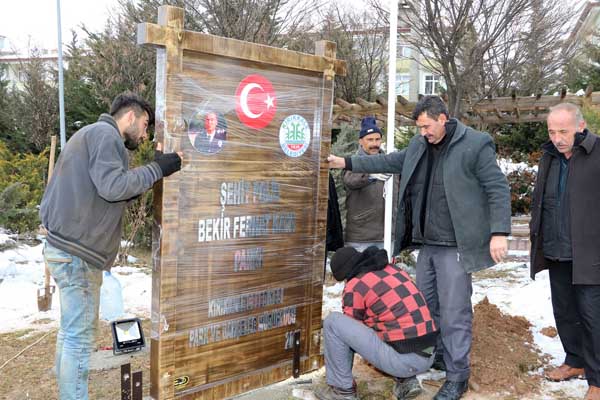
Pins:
x,y
385,320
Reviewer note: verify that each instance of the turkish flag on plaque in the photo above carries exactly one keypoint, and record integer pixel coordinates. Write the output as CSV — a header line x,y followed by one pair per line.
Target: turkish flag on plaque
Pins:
x,y
255,101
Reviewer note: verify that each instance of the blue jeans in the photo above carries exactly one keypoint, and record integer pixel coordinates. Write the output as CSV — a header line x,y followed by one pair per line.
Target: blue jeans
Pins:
x,y
79,286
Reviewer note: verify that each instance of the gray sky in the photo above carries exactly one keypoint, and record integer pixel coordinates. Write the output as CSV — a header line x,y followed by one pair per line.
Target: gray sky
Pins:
x,y
25,21
35,20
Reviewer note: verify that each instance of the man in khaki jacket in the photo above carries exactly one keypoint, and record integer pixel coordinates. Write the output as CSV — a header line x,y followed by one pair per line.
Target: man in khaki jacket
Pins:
x,y
365,199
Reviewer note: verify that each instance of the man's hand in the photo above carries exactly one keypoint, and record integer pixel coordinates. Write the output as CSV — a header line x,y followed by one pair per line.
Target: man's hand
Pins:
x,y
336,162
169,163
498,248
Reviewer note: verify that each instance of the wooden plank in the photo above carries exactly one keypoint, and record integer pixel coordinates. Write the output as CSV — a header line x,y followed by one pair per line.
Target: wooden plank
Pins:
x,y
402,100
205,344
367,105
343,104
160,34
506,104
563,92
382,100
491,110
168,133
498,113
493,119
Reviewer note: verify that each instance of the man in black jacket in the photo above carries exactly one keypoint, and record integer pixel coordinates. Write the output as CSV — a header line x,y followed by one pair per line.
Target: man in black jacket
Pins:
x,y
82,210
565,232
454,204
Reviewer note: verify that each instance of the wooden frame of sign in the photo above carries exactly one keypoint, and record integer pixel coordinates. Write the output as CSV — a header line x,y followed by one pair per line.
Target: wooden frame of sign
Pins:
x,y
239,240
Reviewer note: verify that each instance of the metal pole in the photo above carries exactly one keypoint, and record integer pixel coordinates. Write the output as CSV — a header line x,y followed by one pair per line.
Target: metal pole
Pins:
x,y
391,113
61,86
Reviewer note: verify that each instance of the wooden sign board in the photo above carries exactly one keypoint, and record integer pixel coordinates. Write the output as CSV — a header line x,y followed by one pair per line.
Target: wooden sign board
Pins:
x,y
240,236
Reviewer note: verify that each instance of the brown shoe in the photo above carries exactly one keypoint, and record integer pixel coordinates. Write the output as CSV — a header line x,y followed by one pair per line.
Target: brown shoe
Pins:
x,y
564,373
593,393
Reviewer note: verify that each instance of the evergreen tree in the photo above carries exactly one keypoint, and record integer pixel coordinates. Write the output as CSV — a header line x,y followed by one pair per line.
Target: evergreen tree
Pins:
x,y
35,106
13,139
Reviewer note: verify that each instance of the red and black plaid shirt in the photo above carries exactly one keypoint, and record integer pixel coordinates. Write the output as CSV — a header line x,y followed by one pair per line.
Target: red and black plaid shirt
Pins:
x,y
388,302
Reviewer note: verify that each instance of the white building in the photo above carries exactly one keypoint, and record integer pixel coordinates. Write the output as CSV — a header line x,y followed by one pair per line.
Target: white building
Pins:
x,y
587,27
15,59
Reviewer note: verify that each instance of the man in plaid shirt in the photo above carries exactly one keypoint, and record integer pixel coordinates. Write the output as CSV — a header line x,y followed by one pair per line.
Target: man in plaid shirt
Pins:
x,y
385,320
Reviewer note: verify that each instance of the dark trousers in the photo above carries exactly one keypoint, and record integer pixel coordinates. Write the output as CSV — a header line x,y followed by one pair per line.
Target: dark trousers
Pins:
x,y
447,289
577,315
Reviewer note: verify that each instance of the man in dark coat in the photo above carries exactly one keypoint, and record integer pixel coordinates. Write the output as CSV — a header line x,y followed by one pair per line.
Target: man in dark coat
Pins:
x,y
365,200
565,239
453,203
335,233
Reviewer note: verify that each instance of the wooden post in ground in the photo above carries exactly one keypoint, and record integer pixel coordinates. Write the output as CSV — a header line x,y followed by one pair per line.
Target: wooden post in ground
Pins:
x,y
44,297
239,239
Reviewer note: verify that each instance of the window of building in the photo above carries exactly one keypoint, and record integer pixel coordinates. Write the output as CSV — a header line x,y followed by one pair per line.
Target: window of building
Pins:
x,y
22,75
432,84
403,85
403,51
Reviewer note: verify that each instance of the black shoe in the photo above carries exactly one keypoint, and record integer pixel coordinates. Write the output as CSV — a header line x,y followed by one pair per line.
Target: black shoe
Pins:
x,y
438,363
407,388
451,390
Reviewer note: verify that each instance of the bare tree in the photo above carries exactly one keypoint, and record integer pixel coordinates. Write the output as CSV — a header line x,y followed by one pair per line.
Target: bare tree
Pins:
x,y
362,41
272,22
486,47
543,53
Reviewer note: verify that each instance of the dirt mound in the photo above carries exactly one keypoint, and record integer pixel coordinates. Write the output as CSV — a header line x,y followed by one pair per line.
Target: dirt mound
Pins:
x,y
503,353
549,331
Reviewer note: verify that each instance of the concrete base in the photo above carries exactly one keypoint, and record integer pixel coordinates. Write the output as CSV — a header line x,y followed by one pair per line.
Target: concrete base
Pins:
x,y
105,359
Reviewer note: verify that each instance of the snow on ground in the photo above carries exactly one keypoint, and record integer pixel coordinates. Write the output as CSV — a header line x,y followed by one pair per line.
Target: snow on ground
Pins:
x,y
507,166
332,298
22,273
5,237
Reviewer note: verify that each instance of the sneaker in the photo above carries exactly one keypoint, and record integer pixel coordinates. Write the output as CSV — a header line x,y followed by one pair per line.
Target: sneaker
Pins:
x,y
451,390
333,393
407,388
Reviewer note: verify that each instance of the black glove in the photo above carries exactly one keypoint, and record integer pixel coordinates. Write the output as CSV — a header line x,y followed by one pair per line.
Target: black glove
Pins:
x,y
169,163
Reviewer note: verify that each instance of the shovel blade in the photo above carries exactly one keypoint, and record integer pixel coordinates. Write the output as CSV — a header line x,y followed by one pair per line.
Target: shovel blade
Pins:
x,y
44,298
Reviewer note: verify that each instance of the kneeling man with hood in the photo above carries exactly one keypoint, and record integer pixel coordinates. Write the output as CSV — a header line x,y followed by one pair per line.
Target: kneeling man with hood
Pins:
x,y
385,320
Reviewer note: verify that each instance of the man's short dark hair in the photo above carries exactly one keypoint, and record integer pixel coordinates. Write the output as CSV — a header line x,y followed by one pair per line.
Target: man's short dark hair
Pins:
x,y
434,106
131,101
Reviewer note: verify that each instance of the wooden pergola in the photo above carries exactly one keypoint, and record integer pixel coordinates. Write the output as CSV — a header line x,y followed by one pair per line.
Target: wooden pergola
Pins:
x,y
499,110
